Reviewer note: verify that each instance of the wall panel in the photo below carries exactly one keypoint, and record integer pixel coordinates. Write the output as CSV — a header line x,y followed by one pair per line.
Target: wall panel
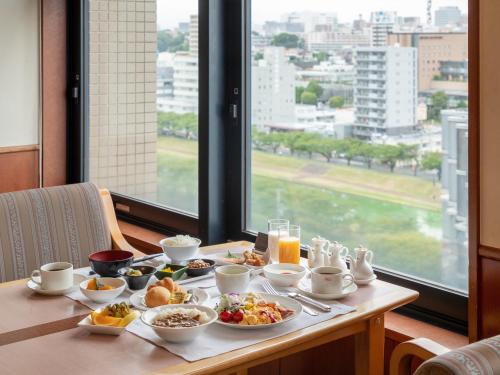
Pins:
x,y
18,168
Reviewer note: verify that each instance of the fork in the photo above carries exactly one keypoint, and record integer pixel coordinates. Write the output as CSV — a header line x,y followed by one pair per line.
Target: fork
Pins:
x,y
270,289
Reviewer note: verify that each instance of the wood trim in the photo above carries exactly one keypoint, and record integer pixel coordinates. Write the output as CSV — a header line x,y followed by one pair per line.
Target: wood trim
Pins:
x,y
19,170
404,353
14,149
489,252
54,84
473,167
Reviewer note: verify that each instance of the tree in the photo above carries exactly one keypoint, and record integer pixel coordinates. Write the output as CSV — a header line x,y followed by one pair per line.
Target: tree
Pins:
x,y
462,104
273,140
286,40
321,56
309,98
410,152
389,155
171,42
439,101
314,87
326,147
258,56
349,148
290,140
298,94
431,161
307,142
368,152
336,102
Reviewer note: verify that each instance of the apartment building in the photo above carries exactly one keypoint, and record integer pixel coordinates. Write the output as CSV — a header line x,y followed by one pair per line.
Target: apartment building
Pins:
x,y
385,91
382,23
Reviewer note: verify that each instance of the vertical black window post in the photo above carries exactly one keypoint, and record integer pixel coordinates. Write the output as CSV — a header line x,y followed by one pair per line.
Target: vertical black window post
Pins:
x,y
212,114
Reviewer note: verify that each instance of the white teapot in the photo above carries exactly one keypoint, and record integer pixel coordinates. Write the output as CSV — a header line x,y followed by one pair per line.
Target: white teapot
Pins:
x,y
336,256
361,267
315,256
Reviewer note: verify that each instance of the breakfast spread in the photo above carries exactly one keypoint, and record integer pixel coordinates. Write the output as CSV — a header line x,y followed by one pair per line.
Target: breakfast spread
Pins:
x,y
95,284
181,318
250,309
198,263
250,258
116,315
164,292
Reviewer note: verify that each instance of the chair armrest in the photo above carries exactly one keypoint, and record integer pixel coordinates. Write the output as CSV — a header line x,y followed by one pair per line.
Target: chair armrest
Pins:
x,y
421,348
119,242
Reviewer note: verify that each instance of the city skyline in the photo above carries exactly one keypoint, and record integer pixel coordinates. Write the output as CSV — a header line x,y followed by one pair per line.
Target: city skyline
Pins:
x,y
265,11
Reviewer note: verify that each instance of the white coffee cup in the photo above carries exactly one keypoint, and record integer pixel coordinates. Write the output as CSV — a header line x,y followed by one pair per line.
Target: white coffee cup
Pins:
x,y
232,278
54,276
329,280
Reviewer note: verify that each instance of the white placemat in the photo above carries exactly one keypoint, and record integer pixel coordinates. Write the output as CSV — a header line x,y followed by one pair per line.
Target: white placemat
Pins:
x,y
218,339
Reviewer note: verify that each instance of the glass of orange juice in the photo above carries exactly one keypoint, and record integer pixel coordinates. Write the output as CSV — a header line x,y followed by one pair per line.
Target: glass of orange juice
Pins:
x,y
289,245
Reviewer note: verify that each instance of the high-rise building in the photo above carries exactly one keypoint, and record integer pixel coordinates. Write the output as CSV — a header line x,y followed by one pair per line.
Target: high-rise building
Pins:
x,y
310,20
382,23
454,174
433,48
273,89
193,34
448,15
385,91
329,41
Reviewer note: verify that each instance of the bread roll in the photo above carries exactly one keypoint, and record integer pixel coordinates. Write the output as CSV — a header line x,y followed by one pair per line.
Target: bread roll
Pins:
x,y
157,296
168,283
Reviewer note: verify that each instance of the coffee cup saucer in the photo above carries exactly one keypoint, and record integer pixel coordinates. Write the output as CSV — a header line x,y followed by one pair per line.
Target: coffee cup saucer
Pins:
x,y
305,287
365,281
77,279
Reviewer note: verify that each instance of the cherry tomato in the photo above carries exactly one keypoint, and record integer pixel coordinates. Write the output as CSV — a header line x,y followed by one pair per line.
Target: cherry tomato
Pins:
x,y
226,316
238,316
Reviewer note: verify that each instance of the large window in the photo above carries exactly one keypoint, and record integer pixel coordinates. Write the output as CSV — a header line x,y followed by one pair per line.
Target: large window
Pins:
x,y
143,96
359,129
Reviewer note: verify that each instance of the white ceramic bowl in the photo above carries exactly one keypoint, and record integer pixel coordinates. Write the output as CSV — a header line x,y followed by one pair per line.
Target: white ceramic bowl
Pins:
x,y
102,330
178,334
104,296
284,274
179,253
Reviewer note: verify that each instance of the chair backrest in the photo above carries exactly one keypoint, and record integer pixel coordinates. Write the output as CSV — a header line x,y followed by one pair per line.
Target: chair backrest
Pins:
x,y
62,223
479,358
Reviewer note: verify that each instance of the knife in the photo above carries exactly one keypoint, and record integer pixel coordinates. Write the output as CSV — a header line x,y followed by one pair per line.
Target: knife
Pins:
x,y
310,301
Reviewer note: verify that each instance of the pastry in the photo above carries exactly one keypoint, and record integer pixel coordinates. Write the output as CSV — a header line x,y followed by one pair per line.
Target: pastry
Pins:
x,y
167,283
157,296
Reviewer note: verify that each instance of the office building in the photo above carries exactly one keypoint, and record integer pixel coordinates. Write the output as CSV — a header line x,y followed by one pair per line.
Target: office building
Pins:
x,y
432,49
447,16
273,89
385,91
382,23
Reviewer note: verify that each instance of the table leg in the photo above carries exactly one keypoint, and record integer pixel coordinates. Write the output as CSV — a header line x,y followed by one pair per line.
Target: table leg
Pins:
x,y
369,348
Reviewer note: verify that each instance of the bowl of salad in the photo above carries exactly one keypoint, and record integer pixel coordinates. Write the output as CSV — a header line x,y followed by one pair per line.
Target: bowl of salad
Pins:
x,y
255,310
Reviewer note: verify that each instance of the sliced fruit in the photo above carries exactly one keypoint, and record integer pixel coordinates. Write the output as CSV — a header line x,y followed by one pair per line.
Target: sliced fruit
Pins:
x,y
128,319
102,320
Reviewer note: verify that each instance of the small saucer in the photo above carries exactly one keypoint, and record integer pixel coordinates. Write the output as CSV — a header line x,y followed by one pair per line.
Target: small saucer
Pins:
x,y
365,281
77,279
305,287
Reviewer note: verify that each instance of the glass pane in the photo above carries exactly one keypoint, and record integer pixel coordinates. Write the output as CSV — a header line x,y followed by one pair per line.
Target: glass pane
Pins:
x,y
144,100
359,129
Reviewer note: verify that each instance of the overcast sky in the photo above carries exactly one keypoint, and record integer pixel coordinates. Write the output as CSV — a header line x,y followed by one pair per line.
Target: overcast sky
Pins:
x,y
170,12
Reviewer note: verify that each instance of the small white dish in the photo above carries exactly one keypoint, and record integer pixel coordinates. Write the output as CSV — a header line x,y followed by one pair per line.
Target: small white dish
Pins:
x,y
305,287
77,279
183,334
200,297
284,274
286,302
104,296
365,281
87,324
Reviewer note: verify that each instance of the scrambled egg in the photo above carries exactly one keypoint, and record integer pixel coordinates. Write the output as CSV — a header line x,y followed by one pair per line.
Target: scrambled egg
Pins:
x,y
260,312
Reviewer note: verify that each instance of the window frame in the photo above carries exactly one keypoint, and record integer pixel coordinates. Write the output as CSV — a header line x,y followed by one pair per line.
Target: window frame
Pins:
x,y
225,147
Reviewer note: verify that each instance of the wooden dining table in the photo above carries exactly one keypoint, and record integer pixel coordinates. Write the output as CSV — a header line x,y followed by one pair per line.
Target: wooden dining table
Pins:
x,y
39,334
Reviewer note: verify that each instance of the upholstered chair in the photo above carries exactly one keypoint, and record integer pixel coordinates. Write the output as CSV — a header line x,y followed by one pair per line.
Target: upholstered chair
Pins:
x,y
62,223
479,358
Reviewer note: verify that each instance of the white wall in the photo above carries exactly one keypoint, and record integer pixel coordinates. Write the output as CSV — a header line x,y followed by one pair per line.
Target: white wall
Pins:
x,y
19,72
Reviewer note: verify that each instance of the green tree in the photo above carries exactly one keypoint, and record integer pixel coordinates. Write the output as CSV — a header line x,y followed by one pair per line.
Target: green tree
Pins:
x,y
314,87
298,94
307,142
389,155
321,56
462,104
171,42
410,153
368,152
286,40
258,56
272,140
431,161
290,140
326,147
439,101
336,102
349,148
308,97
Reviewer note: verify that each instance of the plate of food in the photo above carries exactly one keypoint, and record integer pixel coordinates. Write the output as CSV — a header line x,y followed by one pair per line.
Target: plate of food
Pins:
x,y
111,320
248,258
167,292
255,310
